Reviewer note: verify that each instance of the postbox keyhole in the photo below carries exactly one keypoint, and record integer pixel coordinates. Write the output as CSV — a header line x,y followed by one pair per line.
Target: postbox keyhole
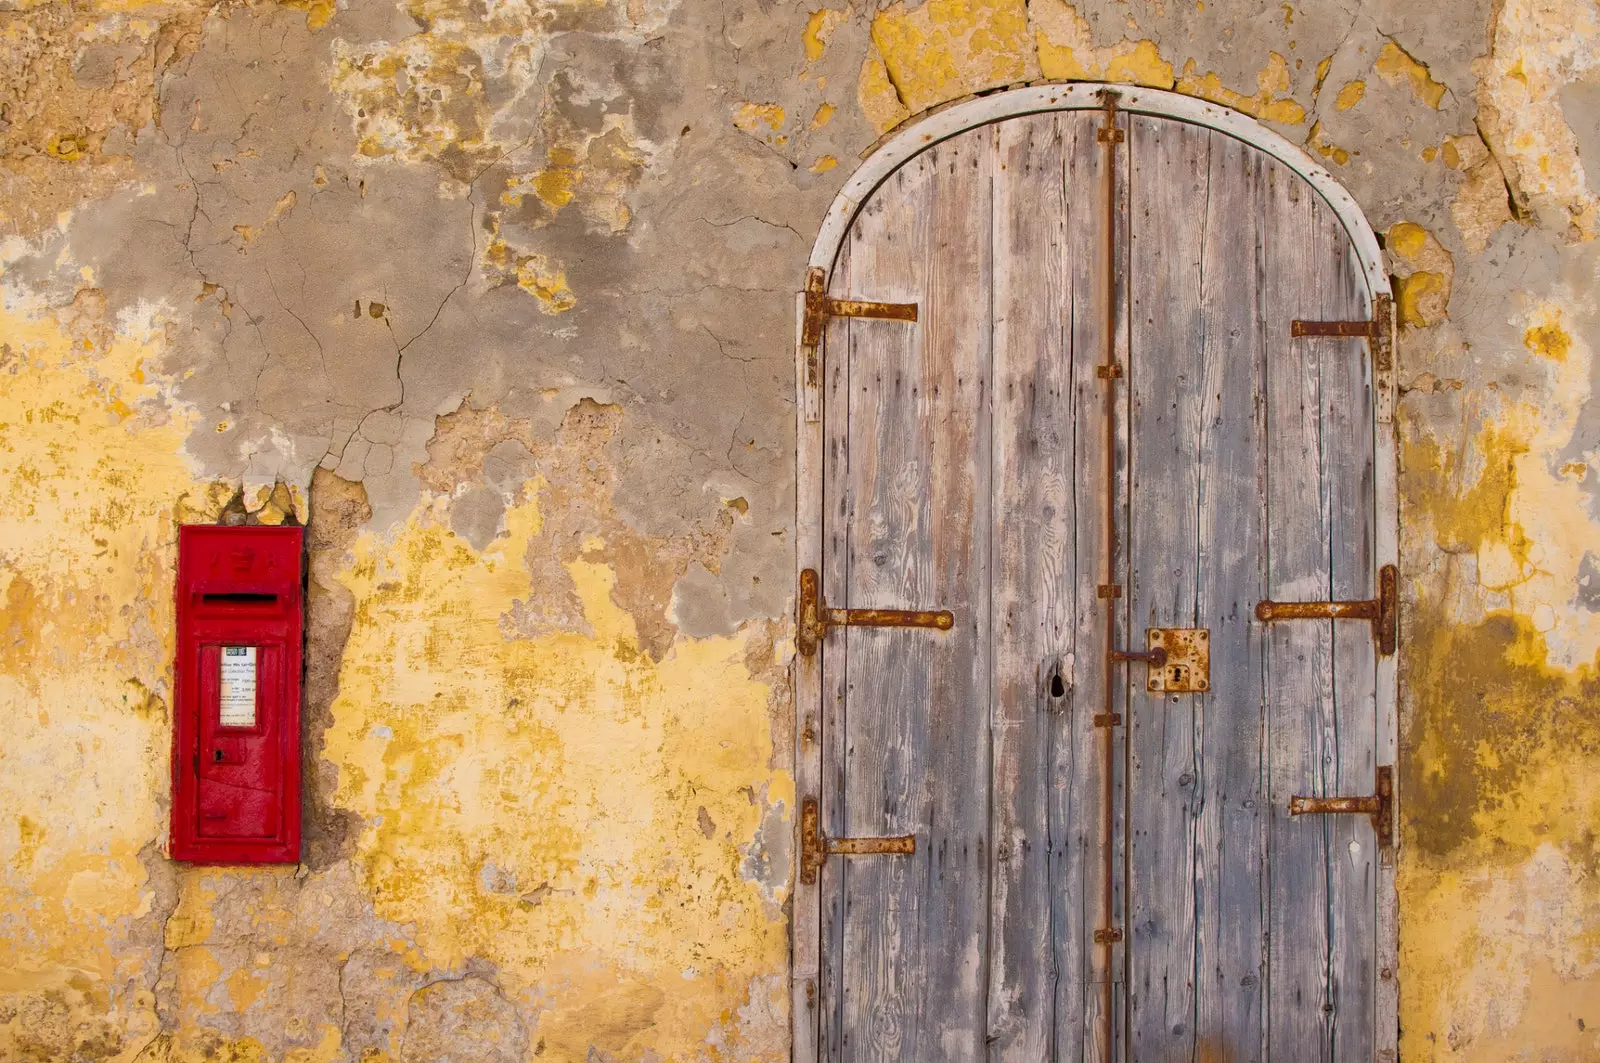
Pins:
x,y
216,755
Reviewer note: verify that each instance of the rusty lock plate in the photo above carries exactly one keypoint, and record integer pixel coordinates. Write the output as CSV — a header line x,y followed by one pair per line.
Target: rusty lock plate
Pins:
x,y
1185,663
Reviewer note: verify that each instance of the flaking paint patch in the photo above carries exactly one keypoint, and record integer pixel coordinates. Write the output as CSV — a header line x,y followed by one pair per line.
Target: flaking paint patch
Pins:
x,y
92,478
1067,50
1395,64
1538,47
948,48
1269,102
566,763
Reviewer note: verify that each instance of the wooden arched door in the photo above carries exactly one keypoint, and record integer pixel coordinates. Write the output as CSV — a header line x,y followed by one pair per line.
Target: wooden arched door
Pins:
x,y
1097,598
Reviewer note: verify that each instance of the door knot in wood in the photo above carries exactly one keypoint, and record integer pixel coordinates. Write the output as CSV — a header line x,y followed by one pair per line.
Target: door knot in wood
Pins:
x,y
1379,805
1383,611
816,847
816,618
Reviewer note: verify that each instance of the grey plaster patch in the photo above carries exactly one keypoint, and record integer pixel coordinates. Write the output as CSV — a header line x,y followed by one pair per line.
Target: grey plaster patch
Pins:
x,y
1580,105
478,516
1588,593
700,604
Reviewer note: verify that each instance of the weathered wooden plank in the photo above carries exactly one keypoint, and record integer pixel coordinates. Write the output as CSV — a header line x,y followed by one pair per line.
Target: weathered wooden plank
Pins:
x,y
889,245
837,509
1299,654
1030,567
1227,496
1170,175
918,750
1347,472
1077,757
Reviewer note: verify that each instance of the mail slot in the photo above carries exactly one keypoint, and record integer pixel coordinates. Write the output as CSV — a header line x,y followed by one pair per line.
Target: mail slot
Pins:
x,y
236,729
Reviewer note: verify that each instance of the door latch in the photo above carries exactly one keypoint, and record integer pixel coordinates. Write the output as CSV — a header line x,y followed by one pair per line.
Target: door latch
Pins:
x,y
1379,805
1383,611
1179,659
816,847
816,618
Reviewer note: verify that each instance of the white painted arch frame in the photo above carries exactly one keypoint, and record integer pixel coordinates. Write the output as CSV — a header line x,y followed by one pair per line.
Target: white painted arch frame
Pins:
x,y
915,138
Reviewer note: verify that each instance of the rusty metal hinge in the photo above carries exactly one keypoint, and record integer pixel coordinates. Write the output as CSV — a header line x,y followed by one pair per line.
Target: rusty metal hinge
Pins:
x,y
1379,805
816,847
820,306
1109,133
816,618
1380,331
1383,611
1108,935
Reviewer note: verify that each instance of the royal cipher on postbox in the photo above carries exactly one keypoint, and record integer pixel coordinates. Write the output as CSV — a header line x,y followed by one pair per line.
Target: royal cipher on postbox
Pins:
x,y
236,733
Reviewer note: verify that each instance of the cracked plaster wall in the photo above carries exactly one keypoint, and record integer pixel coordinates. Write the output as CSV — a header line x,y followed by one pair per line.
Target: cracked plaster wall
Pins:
x,y
497,296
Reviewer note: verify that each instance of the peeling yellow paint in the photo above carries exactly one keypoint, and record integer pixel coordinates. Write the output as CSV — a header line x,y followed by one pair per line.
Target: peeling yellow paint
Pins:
x,y
823,116
1320,144
1536,51
318,12
549,835
762,121
1424,272
876,94
547,282
1395,64
948,48
824,164
1350,94
1267,103
1067,52
819,27
91,478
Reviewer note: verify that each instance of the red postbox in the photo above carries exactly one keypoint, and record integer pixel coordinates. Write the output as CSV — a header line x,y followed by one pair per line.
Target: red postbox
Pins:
x,y
236,730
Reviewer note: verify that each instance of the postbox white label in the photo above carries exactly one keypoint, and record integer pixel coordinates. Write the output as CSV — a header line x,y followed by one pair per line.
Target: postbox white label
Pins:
x,y
238,686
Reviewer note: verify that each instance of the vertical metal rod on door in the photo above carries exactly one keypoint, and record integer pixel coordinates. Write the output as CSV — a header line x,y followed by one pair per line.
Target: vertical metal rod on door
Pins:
x,y
1109,933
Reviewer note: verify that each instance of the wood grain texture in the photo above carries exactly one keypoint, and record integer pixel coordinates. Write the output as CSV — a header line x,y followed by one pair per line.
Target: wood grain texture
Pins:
x,y
1229,578
1347,473
1170,184
1077,785
1031,566
917,717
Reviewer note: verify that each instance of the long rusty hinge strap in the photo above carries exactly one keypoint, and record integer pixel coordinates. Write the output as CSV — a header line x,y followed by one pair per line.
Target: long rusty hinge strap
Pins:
x,y
816,618
1379,806
816,847
1383,611
1376,329
820,306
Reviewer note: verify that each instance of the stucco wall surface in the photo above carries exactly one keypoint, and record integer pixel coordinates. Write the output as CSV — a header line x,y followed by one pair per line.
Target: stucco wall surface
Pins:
x,y
497,297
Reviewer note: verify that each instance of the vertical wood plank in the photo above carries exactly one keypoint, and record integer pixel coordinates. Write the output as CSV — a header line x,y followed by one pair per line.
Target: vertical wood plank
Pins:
x,y
1077,758
1299,676
1347,470
1170,166
1032,563
837,509
917,759
1227,496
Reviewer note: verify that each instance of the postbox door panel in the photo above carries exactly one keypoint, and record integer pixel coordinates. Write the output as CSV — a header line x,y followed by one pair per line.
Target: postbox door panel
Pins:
x,y
239,770
236,735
